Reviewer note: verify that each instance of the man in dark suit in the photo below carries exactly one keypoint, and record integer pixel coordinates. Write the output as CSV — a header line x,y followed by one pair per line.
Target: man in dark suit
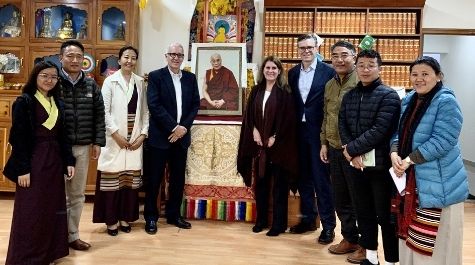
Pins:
x,y
173,102
308,80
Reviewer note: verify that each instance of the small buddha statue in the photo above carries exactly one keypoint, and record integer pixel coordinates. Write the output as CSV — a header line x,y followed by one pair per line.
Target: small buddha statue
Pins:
x,y
66,31
119,33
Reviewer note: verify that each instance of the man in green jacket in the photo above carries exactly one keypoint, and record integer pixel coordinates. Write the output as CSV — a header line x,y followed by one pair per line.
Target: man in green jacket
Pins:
x,y
343,61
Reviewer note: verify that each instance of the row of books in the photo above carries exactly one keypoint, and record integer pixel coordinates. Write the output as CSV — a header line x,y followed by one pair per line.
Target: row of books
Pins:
x,y
287,66
398,49
286,48
390,49
285,21
395,75
392,23
392,75
325,48
341,22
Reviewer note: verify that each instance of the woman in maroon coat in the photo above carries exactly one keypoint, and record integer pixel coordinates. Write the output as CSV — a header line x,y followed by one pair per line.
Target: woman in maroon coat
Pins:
x,y
267,147
41,156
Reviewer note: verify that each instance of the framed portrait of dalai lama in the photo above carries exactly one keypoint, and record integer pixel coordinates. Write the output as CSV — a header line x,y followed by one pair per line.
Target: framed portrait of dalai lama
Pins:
x,y
221,70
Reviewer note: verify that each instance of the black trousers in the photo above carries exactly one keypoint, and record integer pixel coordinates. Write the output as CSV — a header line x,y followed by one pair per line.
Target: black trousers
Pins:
x,y
176,158
343,194
373,189
276,178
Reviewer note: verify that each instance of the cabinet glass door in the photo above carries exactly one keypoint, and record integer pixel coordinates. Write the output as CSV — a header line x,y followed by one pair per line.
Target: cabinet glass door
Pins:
x,y
113,22
11,22
61,22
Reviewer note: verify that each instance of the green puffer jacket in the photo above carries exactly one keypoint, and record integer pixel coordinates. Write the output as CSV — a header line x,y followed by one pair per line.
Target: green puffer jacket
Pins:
x,y
334,92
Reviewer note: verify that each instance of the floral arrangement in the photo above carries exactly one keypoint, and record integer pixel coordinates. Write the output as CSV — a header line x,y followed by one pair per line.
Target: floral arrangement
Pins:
x,y
222,7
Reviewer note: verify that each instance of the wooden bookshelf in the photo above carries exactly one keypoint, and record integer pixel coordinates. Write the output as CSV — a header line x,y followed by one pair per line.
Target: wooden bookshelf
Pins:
x,y
396,26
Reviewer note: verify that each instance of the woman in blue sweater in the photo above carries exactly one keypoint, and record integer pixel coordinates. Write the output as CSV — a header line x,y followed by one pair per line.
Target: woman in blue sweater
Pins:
x,y
426,149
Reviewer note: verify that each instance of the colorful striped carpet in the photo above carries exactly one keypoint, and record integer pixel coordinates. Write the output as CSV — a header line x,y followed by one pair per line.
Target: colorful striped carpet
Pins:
x,y
225,210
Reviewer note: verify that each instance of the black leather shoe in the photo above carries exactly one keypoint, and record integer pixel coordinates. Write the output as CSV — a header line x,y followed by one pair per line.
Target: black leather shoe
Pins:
x,y
367,262
125,229
112,232
151,227
302,227
180,223
326,237
275,232
258,228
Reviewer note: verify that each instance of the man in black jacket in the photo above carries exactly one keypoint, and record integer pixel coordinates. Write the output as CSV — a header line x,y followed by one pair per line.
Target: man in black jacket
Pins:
x,y
85,126
368,117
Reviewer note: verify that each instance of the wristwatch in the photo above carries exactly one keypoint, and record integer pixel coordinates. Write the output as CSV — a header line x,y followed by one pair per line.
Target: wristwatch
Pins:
x,y
408,160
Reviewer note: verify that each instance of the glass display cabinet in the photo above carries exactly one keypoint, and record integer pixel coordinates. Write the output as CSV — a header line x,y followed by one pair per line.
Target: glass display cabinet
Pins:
x,y
12,26
113,22
61,22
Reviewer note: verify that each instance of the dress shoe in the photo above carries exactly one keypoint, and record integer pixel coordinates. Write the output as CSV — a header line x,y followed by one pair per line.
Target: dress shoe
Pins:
x,y
112,232
367,262
125,229
151,227
343,247
180,223
302,227
358,256
258,228
275,232
80,245
326,237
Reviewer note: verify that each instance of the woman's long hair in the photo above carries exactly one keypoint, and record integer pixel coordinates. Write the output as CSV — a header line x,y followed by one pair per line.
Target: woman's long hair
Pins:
x,y
31,86
281,80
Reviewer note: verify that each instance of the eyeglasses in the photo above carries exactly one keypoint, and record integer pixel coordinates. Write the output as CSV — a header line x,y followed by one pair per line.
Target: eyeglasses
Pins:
x,y
343,56
49,77
176,55
306,48
370,67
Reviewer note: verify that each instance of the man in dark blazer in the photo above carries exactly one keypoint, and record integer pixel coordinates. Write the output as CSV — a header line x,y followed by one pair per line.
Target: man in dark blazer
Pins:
x,y
173,102
308,80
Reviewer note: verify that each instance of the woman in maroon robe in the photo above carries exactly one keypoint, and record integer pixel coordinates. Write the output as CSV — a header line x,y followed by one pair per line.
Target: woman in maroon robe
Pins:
x,y
267,147
40,158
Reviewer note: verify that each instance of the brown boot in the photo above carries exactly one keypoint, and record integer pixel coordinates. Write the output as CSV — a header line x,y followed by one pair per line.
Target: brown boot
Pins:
x,y
343,247
358,256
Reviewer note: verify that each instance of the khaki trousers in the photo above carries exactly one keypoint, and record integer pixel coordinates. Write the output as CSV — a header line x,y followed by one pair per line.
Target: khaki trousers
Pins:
x,y
75,190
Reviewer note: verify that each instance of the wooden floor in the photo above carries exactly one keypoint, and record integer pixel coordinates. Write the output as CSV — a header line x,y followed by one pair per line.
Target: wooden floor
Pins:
x,y
208,242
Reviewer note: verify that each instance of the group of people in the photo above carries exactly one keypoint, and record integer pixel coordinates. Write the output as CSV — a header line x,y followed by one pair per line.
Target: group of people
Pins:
x,y
332,133
339,136
63,119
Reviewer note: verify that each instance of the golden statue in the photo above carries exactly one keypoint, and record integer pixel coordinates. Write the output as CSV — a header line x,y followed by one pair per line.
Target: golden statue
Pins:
x,y
66,31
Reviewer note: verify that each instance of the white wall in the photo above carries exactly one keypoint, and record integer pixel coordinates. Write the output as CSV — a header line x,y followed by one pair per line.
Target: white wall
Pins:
x,y
161,23
458,66
455,14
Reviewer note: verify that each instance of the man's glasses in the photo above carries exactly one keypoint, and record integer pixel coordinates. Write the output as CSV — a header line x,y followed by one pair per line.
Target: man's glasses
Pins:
x,y
306,48
344,56
176,55
49,77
